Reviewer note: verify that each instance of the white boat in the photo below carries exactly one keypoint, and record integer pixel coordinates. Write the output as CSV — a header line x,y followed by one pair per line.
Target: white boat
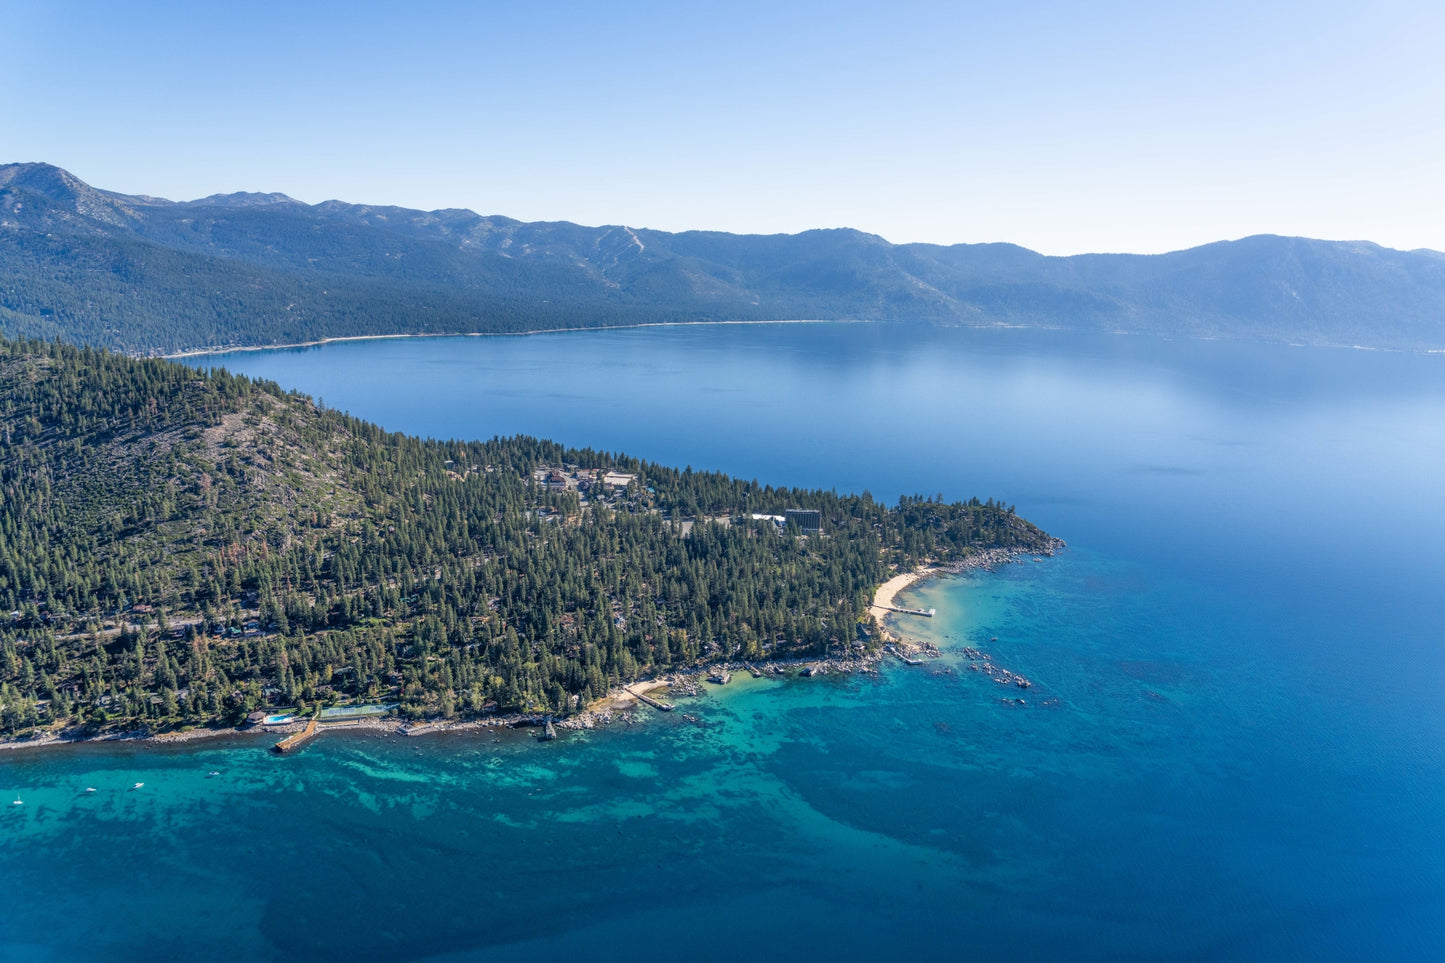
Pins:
x,y
90,789
214,772
137,786
18,803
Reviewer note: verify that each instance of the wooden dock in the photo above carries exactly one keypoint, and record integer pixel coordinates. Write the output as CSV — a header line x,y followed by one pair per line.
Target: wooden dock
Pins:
x,y
926,613
298,739
659,706
903,658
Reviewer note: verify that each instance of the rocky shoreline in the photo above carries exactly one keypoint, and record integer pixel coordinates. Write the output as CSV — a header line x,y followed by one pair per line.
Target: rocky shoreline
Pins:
x,y
619,705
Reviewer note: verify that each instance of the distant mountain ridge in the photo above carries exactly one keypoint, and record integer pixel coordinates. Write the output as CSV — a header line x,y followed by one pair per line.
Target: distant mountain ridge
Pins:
x,y
148,275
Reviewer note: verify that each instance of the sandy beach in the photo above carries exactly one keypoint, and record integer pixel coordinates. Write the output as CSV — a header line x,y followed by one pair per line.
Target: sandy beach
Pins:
x,y
883,599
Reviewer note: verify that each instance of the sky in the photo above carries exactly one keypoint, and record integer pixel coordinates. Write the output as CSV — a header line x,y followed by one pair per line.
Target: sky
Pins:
x,y
1066,128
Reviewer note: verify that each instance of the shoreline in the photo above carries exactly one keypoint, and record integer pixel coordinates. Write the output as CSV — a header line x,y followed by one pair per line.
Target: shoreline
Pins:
x,y
198,352
999,325
601,713
885,598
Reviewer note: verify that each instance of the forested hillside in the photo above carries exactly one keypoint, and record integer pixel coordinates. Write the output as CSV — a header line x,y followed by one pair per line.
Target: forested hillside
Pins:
x,y
179,547
148,276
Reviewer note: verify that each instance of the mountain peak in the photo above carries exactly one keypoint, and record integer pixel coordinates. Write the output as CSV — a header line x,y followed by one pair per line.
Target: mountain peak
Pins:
x,y
244,199
47,180
65,193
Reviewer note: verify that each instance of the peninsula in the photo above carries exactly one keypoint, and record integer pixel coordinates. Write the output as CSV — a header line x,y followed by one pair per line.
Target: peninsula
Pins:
x,y
182,549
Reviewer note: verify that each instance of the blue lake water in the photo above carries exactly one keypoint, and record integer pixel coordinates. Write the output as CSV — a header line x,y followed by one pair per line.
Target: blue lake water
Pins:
x,y
1232,750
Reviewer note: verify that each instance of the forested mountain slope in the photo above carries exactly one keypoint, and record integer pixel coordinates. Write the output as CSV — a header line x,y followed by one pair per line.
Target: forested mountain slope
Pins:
x,y
146,275
179,547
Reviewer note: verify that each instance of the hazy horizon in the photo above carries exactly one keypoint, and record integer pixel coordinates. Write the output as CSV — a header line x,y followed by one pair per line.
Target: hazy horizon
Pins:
x,y
703,229
1065,130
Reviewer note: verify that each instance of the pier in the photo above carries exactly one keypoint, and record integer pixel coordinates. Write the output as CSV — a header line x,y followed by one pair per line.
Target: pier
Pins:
x,y
925,613
903,658
298,739
659,706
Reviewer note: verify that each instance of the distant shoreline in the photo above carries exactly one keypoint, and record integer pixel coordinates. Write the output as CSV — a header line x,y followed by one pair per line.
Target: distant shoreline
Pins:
x,y
1002,326
494,334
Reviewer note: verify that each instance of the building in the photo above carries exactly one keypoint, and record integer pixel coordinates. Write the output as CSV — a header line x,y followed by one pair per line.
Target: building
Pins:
x,y
617,479
810,520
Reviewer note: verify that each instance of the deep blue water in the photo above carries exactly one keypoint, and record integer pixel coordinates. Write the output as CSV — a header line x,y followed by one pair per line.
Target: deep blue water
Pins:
x,y
1232,749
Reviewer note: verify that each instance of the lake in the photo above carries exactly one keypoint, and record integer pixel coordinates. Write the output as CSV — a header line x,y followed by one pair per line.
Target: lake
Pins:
x,y
1232,748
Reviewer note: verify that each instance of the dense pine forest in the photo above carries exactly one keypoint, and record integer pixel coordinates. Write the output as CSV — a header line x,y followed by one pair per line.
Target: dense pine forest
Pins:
x,y
179,547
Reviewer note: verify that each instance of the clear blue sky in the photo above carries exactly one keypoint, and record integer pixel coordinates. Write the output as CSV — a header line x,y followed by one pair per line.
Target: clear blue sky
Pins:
x,y
1065,127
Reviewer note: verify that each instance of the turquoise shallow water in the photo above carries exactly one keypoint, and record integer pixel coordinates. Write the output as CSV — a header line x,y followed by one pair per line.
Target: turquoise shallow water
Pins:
x,y
1231,749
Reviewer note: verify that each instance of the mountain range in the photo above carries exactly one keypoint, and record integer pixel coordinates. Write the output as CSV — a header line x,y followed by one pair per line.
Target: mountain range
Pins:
x,y
146,275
